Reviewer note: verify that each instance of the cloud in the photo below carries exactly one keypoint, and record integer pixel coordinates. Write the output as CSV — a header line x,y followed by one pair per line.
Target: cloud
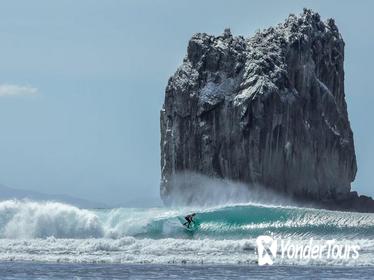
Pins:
x,y
17,90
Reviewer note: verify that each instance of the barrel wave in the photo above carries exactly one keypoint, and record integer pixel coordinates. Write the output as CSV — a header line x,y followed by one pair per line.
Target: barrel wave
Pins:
x,y
26,219
52,231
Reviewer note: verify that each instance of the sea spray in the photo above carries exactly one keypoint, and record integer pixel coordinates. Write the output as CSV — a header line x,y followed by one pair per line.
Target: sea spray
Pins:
x,y
51,231
28,219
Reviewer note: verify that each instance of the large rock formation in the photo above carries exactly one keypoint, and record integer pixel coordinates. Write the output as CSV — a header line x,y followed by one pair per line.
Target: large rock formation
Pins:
x,y
268,110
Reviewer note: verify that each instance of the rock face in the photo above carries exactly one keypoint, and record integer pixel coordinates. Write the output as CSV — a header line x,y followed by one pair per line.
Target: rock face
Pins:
x,y
268,110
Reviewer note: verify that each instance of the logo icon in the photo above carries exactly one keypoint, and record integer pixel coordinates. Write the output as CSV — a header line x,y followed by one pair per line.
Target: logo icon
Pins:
x,y
266,249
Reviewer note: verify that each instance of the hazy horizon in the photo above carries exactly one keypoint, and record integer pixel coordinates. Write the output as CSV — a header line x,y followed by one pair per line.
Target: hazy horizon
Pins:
x,y
82,83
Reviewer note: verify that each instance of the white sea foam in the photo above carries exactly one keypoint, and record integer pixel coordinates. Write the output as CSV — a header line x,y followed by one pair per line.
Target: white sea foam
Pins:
x,y
168,250
56,232
27,219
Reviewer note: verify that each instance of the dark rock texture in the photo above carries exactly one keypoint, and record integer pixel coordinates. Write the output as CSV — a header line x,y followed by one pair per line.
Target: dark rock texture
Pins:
x,y
269,110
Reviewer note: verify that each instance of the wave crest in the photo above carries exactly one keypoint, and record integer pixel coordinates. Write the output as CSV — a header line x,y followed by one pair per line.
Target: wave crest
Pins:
x,y
28,219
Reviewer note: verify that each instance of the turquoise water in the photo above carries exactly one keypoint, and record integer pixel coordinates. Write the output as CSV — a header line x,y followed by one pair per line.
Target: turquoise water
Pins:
x,y
246,221
50,232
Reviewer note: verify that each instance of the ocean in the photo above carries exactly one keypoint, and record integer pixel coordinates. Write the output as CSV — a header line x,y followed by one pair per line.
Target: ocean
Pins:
x,y
51,240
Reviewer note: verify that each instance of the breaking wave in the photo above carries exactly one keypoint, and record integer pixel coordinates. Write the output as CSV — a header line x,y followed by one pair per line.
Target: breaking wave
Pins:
x,y
52,231
27,220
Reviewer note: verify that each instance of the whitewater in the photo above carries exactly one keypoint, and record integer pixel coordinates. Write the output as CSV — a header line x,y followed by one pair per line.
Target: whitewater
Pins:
x,y
56,232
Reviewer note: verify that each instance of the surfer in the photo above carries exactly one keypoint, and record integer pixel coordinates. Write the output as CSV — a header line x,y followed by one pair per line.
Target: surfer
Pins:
x,y
189,219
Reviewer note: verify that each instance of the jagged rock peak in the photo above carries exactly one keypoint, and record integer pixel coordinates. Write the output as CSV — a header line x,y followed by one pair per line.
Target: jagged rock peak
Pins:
x,y
268,110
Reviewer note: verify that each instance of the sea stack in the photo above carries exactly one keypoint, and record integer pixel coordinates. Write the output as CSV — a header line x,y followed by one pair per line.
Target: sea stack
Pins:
x,y
268,110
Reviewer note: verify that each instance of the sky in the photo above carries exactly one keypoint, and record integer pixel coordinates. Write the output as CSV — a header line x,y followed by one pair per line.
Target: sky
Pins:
x,y
82,84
